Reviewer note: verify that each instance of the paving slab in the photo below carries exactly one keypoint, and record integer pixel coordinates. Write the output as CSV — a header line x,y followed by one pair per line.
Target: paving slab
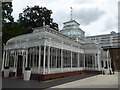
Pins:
x,y
98,81
20,83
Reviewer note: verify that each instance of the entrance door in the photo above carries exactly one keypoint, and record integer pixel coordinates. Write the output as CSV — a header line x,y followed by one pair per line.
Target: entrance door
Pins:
x,y
19,65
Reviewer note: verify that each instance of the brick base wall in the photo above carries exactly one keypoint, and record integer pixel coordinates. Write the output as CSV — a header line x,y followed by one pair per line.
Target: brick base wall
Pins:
x,y
11,74
42,77
60,75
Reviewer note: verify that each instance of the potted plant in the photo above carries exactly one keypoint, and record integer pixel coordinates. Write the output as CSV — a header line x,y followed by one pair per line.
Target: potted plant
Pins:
x,y
27,73
6,71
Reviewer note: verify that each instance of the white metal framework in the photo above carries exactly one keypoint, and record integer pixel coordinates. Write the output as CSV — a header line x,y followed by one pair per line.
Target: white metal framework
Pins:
x,y
48,51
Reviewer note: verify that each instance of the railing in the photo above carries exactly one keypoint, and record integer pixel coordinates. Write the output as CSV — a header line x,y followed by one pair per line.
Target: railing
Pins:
x,y
56,70
61,70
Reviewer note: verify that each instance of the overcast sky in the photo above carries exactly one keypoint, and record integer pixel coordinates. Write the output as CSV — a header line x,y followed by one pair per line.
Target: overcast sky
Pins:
x,y
95,16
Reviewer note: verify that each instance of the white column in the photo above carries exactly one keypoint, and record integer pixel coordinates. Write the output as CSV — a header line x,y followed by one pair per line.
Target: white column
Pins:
x,y
39,62
44,60
48,59
3,60
23,63
92,61
104,63
15,57
62,60
51,57
87,59
84,60
110,63
26,64
98,58
108,60
16,61
6,58
33,56
95,62
71,60
30,61
78,60
36,56
56,58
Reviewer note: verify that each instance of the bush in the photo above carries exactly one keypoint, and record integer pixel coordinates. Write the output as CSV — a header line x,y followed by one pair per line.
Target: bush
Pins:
x,y
6,67
27,68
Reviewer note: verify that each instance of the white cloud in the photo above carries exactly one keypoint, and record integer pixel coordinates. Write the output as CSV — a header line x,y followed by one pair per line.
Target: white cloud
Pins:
x,y
88,15
93,15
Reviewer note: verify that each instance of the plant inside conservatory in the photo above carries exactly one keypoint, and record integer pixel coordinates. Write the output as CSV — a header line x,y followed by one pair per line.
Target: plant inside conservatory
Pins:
x,y
6,71
27,73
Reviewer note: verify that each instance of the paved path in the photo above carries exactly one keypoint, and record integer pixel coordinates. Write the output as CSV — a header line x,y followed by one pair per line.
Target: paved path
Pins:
x,y
20,83
98,81
78,81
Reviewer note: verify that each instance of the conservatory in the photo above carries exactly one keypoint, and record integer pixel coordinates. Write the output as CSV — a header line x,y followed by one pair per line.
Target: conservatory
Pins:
x,y
52,54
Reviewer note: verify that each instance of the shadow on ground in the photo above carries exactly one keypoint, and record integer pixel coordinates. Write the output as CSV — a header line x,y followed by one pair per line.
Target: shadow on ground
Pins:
x,y
20,83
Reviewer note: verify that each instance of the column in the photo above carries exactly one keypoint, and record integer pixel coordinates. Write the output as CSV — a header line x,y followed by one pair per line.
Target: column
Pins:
x,y
62,60
104,63
33,56
7,63
56,57
44,60
16,62
23,63
15,57
98,58
78,60
3,60
35,51
95,61
110,63
84,59
39,62
108,60
48,59
92,61
26,64
51,57
6,58
71,60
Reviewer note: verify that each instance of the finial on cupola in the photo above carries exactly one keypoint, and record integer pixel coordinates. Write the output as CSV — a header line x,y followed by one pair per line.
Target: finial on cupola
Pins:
x,y
71,12
43,21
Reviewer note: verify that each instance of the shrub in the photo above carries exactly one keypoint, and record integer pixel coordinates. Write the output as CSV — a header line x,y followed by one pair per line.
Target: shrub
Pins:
x,y
6,67
27,68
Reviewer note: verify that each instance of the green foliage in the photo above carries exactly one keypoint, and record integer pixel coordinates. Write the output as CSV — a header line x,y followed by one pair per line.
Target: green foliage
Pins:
x,y
6,12
11,30
27,68
33,17
6,67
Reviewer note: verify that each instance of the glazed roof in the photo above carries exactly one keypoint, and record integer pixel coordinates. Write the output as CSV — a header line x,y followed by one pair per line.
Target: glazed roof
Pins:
x,y
41,33
45,32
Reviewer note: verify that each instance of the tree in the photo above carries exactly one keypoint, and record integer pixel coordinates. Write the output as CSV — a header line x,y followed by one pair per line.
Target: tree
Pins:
x,y
12,30
33,17
30,18
6,12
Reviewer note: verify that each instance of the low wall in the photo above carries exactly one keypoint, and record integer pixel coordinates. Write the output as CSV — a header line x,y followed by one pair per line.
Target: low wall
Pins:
x,y
43,77
60,75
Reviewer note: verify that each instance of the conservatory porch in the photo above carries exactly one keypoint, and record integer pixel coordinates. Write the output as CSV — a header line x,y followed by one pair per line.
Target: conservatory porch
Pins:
x,y
46,60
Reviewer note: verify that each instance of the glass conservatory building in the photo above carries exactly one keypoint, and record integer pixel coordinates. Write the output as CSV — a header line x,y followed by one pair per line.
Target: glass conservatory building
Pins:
x,y
54,54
